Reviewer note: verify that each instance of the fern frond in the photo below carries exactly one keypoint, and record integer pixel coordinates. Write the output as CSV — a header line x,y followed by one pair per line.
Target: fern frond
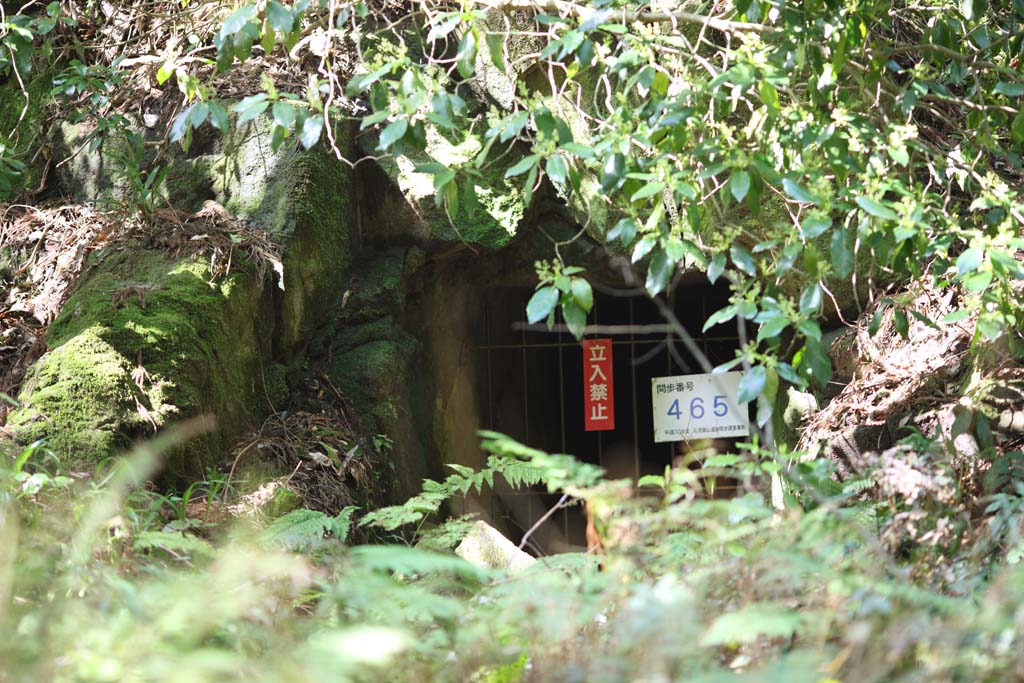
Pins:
x,y
306,530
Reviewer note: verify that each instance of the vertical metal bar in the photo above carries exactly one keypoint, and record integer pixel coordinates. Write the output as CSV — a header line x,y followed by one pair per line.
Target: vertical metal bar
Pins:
x,y
636,399
490,395
703,317
526,412
561,416
668,448
561,391
490,380
526,384
600,434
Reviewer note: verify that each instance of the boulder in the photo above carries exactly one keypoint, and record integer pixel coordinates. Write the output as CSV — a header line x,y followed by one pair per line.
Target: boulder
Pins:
x,y
485,547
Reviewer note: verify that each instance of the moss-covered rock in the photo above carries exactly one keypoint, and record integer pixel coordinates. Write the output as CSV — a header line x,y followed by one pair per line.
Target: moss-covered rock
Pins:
x,y
148,337
145,339
379,366
20,123
303,199
89,174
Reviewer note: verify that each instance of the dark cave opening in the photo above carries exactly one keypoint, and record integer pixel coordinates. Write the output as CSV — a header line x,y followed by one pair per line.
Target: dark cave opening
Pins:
x,y
531,387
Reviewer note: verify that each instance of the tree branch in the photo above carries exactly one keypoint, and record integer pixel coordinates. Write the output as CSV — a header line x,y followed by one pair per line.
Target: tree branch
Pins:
x,y
571,9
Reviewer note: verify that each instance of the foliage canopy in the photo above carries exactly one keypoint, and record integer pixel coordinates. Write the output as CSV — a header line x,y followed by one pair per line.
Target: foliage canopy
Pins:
x,y
808,152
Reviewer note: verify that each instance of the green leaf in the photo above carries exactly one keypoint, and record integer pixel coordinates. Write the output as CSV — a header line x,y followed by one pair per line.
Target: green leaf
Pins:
x,y
578,149
900,155
752,623
412,561
643,247
523,165
165,71
990,326
743,259
443,28
973,9
658,273
284,114
219,117
815,224
810,300
575,318
583,294
180,125
238,19
613,173
531,182
393,132
722,315
251,107
977,281
1009,89
1017,128
311,129
876,209
694,252
541,304
496,47
969,261
739,184
772,323
305,530
752,384
625,230
716,268
766,401
280,17
556,169
955,316
465,58
902,324
648,190
810,328
769,95
451,198
816,362
199,112
842,252
797,192
876,321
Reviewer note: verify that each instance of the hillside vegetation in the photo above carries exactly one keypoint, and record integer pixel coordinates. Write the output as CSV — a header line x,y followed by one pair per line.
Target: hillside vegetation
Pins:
x,y
182,194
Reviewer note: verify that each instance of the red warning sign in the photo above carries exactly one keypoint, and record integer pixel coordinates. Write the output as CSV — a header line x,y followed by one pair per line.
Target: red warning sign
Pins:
x,y
598,390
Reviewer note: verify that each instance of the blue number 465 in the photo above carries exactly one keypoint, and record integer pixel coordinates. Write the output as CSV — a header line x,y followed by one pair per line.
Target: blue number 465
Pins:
x,y
674,410
720,407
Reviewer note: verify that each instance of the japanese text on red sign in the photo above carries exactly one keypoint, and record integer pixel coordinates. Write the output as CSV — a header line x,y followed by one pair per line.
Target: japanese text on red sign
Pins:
x,y
598,389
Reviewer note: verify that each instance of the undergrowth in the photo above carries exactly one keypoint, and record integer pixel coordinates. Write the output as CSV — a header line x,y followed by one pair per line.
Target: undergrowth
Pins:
x,y
95,588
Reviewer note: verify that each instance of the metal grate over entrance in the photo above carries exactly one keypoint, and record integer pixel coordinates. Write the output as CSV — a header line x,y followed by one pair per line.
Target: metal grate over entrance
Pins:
x,y
532,382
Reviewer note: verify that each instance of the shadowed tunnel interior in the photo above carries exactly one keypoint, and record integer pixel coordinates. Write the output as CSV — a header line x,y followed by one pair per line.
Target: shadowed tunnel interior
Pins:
x,y
532,388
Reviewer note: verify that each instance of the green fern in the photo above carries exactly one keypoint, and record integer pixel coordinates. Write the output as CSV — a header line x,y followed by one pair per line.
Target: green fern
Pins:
x,y
307,530
180,546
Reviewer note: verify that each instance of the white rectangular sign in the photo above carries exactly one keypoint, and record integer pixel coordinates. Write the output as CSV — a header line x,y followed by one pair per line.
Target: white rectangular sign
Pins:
x,y
690,407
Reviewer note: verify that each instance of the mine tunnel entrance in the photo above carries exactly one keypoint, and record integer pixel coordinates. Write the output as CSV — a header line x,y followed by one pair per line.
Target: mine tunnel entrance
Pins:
x,y
532,388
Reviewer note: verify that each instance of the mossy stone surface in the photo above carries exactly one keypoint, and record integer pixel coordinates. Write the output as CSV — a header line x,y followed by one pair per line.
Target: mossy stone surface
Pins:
x,y
20,127
195,345
303,199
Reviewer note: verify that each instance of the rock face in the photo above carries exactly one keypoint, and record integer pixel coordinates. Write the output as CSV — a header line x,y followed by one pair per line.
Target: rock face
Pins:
x,y
143,340
149,336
